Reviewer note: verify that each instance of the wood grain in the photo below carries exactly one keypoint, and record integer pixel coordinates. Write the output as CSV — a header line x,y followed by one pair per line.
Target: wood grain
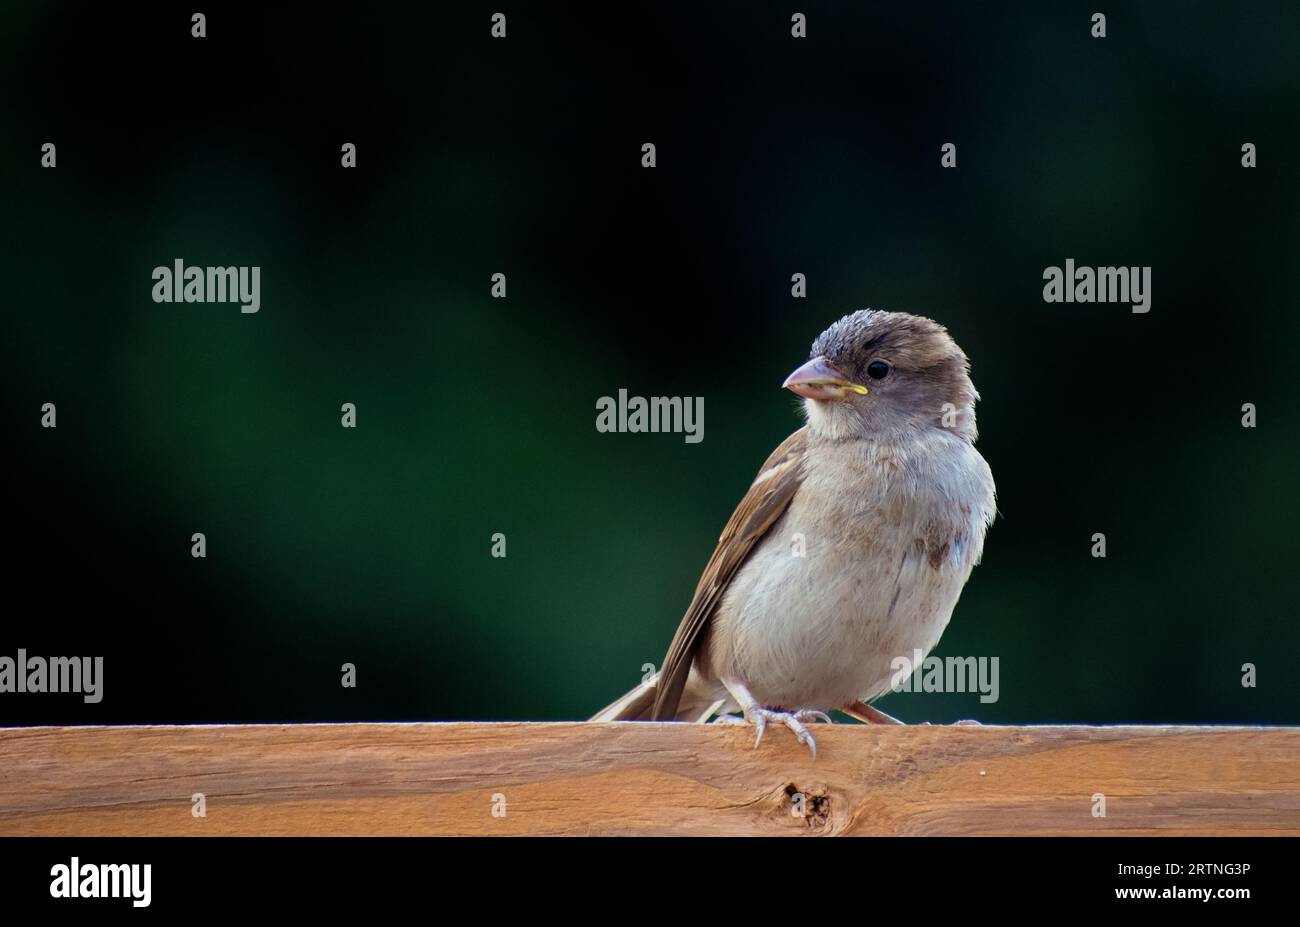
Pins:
x,y
643,778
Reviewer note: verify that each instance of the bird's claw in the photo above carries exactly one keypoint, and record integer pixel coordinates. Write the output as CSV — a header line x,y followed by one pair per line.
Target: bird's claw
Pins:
x,y
813,714
796,721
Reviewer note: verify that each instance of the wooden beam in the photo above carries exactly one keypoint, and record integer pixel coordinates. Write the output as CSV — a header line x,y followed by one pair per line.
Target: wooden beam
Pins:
x,y
642,778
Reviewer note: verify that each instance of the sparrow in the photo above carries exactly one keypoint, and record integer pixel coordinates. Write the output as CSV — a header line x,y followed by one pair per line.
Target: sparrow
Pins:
x,y
850,548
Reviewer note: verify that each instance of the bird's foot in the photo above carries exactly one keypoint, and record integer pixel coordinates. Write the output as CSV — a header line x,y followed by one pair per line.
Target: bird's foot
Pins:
x,y
796,721
869,714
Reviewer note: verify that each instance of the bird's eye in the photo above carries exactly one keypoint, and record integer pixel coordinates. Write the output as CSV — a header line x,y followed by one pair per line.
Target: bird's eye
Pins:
x,y
877,370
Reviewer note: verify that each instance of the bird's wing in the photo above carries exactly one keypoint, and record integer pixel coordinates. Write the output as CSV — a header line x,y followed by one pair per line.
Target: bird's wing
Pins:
x,y
765,502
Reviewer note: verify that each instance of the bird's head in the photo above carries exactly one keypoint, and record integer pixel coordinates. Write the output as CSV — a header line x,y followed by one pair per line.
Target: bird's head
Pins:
x,y
876,373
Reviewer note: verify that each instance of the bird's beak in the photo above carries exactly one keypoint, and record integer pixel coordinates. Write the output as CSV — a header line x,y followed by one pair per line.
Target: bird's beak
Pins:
x,y
817,379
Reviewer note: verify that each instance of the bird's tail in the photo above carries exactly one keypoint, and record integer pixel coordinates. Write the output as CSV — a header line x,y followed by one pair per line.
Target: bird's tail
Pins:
x,y
639,703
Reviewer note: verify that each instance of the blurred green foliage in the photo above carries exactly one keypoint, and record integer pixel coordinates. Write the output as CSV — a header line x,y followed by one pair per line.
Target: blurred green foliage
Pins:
x,y
477,415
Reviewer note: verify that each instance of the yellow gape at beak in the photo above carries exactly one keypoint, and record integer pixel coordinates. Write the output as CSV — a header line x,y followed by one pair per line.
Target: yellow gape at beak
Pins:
x,y
818,379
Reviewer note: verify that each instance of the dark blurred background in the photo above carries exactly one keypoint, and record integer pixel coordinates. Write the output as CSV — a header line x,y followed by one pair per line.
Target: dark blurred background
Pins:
x,y
476,415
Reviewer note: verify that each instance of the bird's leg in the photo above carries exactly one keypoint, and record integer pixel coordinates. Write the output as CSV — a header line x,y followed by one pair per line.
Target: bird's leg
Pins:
x,y
759,716
710,711
867,714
